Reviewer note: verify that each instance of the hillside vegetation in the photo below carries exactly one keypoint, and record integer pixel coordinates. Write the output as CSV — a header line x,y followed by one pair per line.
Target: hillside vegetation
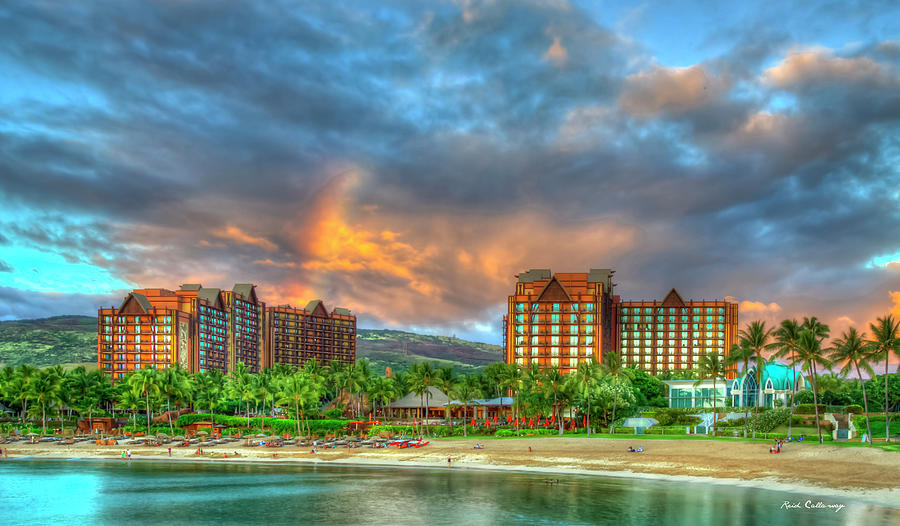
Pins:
x,y
73,340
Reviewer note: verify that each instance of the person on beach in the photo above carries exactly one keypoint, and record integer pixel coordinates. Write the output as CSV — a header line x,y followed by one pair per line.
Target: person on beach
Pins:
x,y
129,454
448,461
170,452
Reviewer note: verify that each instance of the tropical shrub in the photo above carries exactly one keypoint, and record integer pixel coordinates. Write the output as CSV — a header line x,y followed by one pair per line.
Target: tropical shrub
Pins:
x,y
855,409
333,414
809,409
769,420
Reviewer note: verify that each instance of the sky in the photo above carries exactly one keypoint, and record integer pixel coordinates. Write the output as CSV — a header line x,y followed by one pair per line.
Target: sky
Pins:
x,y
406,159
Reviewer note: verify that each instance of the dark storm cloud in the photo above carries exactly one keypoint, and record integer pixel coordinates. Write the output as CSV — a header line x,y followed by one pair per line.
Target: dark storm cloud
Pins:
x,y
18,304
5,267
205,138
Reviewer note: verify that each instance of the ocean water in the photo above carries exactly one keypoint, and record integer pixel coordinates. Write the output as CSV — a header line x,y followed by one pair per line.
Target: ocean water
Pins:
x,y
153,492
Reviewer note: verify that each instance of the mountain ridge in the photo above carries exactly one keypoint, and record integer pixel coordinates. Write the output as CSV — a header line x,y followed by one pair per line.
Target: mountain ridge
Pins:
x,y
72,339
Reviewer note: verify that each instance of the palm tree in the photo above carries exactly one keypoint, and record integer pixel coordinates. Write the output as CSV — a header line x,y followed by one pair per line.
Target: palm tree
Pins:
x,y
756,339
173,384
240,386
852,348
131,402
296,390
44,389
712,366
586,376
144,384
208,391
786,338
382,391
24,375
554,383
80,390
443,380
263,387
512,378
741,354
465,389
809,353
618,374
421,378
885,341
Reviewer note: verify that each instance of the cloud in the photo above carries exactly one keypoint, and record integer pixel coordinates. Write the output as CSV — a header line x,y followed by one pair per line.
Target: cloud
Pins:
x,y
895,298
820,66
670,90
270,263
5,267
408,161
757,306
234,233
556,53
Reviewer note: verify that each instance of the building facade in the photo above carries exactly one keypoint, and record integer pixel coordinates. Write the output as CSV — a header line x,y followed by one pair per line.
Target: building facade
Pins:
x,y
560,319
201,329
295,336
159,328
246,321
673,334
777,380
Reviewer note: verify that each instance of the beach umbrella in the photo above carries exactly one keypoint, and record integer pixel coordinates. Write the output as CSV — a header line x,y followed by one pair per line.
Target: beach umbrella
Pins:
x,y
473,423
162,435
487,423
495,419
584,421
552,418
509,418
531,423
202,432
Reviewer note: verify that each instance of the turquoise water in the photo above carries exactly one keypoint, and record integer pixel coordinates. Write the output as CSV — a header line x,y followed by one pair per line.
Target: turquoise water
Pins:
x,y
134,493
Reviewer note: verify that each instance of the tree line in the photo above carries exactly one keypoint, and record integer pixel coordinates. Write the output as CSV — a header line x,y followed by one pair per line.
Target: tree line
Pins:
x,y
595,393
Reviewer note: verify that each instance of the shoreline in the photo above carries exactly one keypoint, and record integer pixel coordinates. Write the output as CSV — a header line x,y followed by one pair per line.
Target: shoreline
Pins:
x,y
557,458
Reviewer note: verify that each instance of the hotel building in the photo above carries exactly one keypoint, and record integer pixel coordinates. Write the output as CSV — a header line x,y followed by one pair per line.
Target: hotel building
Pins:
x,y
246,323
202,329
560,319
296,335
564,318
673,334
158,328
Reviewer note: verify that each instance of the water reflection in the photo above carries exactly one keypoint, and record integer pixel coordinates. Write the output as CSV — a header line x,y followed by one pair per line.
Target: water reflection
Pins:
x,y
45,492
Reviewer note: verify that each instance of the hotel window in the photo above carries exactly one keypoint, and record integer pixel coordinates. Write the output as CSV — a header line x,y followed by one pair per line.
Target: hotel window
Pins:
x,y
573,340
647,359
573,351
520,307
534,318
589,307
556,307
573,329
554,340
573,362
520,329
554,318
574,307
534,340
520,318
589,340
554,329
534,307
534,351
554,351
520,361
589,318
589,329
554,361
573,318
520,351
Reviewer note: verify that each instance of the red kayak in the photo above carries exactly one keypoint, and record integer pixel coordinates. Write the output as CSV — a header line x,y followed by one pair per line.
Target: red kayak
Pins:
x,y
420,444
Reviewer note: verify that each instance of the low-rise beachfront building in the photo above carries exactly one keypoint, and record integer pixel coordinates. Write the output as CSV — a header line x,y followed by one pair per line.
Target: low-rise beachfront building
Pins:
x,y
432,402
777,380
689,393
494,410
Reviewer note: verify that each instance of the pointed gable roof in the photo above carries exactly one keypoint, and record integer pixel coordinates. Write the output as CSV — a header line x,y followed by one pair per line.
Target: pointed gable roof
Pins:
x,y
213,296
191,286
247,290
317,308
554,291
135,303
673,299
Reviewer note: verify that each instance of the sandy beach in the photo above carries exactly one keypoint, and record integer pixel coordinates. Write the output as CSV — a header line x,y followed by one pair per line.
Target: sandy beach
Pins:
x,y
861,473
